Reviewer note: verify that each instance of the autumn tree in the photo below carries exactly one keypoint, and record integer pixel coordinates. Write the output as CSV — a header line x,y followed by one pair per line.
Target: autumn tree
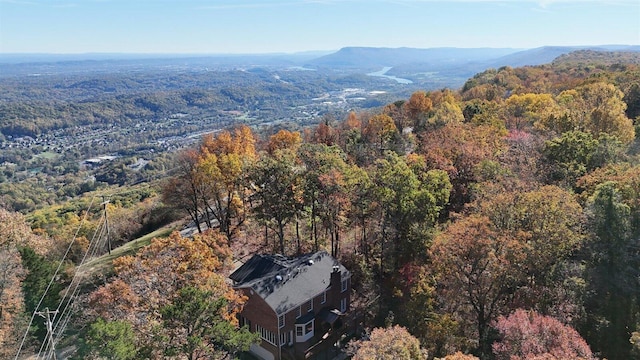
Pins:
x,y
210,181
406,203
379,130
12,228
149,291
324,133
278,191
350,131
416,304
477,273
458,148
183,190
397,111
460,356
26,269
11,299
418,106
393,343
284,139
548,220
326,190
529,335
597,108
446,109
221,172
196,326
525,110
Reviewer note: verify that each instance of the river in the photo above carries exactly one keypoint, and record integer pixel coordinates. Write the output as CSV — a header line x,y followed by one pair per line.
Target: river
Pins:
x,y
382,73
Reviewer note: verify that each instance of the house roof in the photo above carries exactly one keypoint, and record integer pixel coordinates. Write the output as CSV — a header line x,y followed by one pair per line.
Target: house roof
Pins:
x,y
287,282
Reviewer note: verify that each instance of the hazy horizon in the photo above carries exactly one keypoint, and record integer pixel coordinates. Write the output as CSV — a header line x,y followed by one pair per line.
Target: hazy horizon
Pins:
x,y
201,27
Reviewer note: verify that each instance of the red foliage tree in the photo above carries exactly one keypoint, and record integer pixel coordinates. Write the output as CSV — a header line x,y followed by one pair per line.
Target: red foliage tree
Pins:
x,y
529,335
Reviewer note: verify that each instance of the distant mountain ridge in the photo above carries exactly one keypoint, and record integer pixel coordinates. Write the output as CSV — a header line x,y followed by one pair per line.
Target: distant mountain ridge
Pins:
x,y
429,68
358,57
546,54
447,57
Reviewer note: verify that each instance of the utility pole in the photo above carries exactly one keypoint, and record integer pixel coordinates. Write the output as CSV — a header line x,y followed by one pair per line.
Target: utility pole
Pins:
x,y
46,314
106,221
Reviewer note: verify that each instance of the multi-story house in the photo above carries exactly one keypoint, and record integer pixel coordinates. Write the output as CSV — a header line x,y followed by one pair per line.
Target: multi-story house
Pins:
x,y
295,303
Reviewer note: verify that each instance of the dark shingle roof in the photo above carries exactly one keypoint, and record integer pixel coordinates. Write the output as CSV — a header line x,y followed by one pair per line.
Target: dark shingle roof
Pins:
x,y
285,283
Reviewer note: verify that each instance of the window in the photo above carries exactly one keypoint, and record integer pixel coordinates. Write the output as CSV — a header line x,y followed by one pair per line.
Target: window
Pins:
x,y
344,284
310,305
283,338
299,312
245,322
343,305
323,299
304,332
266,335
281,321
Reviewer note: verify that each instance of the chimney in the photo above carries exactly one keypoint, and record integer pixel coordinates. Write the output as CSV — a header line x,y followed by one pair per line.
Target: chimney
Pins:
x,y
336,278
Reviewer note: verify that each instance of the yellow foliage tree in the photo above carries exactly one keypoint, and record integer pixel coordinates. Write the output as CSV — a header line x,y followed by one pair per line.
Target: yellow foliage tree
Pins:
x,y
393,343
380,128
596,108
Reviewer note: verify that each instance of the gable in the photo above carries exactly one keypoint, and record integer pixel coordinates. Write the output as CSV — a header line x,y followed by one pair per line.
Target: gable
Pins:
x,y
293,281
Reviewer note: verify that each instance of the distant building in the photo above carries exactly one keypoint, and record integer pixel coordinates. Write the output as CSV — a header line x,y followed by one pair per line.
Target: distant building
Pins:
x,y
295,304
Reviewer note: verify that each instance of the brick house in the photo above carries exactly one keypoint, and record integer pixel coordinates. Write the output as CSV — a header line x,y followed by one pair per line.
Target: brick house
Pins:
x,y
294,303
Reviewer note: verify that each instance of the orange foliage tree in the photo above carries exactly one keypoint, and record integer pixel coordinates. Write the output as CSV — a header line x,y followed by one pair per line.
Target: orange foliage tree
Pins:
x,y
150,284
477,270
284,139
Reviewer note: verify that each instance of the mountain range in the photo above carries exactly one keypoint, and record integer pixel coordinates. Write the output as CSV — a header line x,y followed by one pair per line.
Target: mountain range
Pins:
x,y
425,68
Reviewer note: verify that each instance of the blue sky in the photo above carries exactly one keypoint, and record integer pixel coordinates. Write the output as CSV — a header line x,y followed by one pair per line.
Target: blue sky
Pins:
x,y
264,26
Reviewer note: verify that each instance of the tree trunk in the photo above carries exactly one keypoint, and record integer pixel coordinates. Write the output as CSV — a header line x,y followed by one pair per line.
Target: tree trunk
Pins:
x,y
485,347
314,226
298,235
281,236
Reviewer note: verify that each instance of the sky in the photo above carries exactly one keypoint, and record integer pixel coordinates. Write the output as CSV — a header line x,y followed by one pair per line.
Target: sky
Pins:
x,y
287,26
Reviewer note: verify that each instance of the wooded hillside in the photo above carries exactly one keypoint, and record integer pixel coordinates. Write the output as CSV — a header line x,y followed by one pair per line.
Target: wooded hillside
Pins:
x,y
461,214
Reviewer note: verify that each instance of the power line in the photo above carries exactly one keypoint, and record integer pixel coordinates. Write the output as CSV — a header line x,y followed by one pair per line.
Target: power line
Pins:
x,y
48,346
106,221
65,315
26,333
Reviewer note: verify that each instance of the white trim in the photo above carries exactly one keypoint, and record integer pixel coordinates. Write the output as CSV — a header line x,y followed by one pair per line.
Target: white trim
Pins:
x,y
267,335
306,330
